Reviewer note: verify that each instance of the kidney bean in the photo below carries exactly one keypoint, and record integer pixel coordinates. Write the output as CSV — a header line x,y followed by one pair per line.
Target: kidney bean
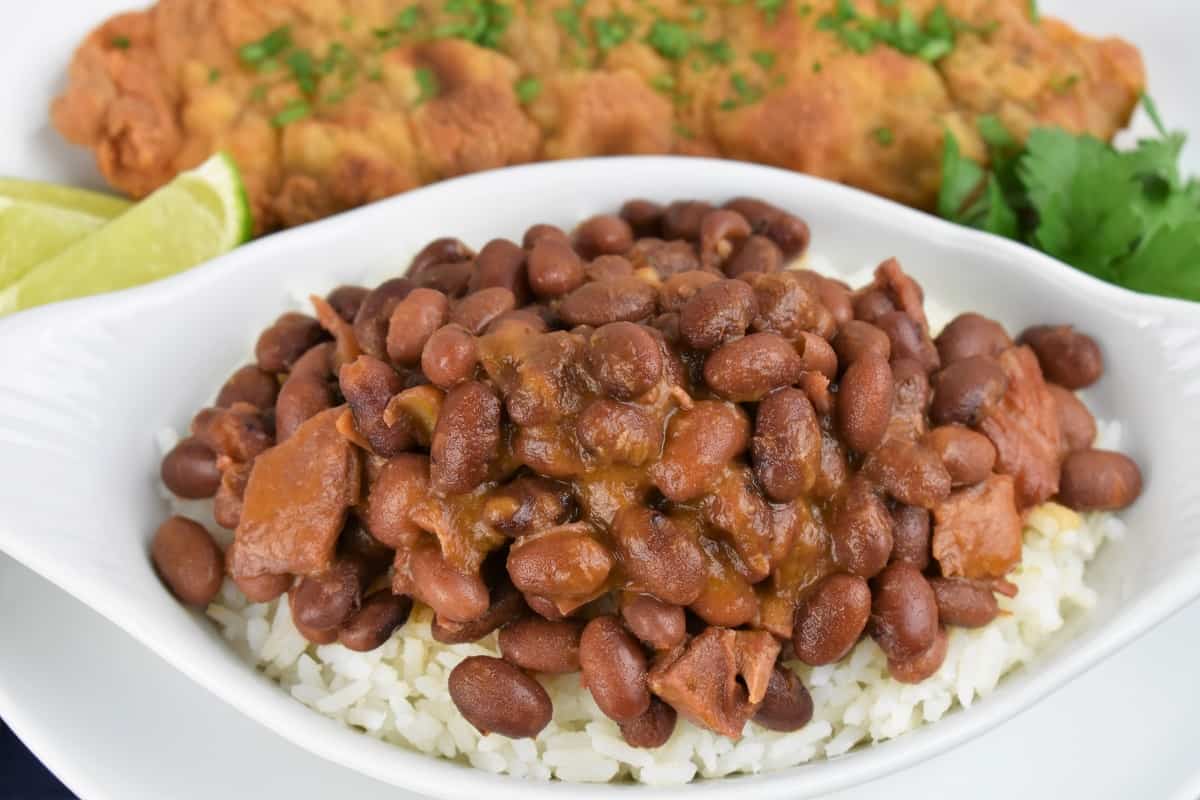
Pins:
x,y
910,536
290,337
604,267
346,300
1099,480
1076,422
864,402
450,356
381,614
614,669
909,472
643,216
250,384
501,265
831,618
651,729
700,443
904,614
816,388
964,602
555,269
368,384
658,624
262,588
817,355
188,560
562,562
453,595
612,300
536,234
871,305
375,315
619,433
924,664
746,369
682,219
719,230
439,251
861,531
788,304
663,559
413,321
787,706
755,254
527,322
506,605
664,258
1067,357
908,340
679,288
190,471
528,504
969,335
968,456
603,234
466,439
856,338
836,297
962,390
625,359
477,310
790,233
542,645
544,607
758,213
717,313
402,483
228,501
549,449
728,600
786,445
496,697
317,636
327,600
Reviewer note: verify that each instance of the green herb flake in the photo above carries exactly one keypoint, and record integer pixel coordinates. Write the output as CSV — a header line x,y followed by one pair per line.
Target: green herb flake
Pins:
x,y
770,9
375,73
664,83
718,51
764,58
120,42
407,19
804,9
300,62
1034,15
698,14
527,89
293,112
480,21
1152,111
883,136
669,39
214,75
994,134
612,30
683,131
267,47
816,66
347,23
427,82
258,93
1064,84
570,20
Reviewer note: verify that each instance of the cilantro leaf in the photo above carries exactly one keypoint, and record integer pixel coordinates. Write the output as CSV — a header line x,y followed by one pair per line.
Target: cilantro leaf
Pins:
x,y
1167,262
961,178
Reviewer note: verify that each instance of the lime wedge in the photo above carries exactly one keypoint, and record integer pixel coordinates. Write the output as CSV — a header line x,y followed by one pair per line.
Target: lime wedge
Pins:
x,y
68,198
201,214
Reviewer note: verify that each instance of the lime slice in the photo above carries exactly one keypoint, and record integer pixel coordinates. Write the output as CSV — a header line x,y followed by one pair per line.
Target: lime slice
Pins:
x,y
199,215
68,198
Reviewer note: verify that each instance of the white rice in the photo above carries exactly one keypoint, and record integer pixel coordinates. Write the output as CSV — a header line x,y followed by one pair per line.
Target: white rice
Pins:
x,y
398,692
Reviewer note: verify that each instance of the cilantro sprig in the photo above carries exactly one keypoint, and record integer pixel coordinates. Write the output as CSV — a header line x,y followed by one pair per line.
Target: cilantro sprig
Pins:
x,y
1127,217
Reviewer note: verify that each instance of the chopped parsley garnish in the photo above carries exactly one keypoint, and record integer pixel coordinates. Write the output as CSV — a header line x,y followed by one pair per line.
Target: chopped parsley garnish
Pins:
x,y
764,58
612,30
669,39
427,82
407,19
1127,217
683,131
744,93
717,51
816,67
568,17
770,9
929,40
268,47
663,83
258,93
527,89
883,135
300,62
480,21
214,75
294,111
120,42
1034,15
1065,83
347,22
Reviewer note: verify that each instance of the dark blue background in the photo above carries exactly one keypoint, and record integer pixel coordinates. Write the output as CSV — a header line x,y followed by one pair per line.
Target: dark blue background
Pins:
x,y
22,777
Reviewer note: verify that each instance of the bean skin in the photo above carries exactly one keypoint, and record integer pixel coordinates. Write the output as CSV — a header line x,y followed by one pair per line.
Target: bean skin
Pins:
x,y
466,439
717,313
963,602
413,321
188,560
450,356
871,305
861,532
787,706
857,338
746,369
368,384
250,384
910,536
477,310
682,219
541,645
603,234
817,355
190,471
786,445
700,443
659,556
506,605
375,315
625,359
496,697
1067,357
658,624
831,618
904,614
325,601
924,664
555,269
864,402
402,483
501,265
563,562
909,472
382,613
1076,422
539,233
969,335
908,340
967,455
262,588
614,669
756,254
453,595
679,288
612,300
1099,480
962,390
619,433
440,251
653,728
718,231
290,337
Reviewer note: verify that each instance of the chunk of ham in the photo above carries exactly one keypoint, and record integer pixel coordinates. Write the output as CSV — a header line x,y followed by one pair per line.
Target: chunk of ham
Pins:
x,y
296,501
977,530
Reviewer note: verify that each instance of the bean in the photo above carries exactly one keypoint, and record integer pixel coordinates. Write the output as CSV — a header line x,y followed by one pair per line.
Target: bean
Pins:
x,y
971,334
1076,422
452,594
861,531
544,608
817,355
536,234
625,359
786,445
904,614
496,697
528,504
651,729
375,315
658,624
719,229
835,468
908,340
501,265
864,402
506,605
968,456
290,337
790,233
836,297
857,338
368,384
300,399
682,219
717,313
728,599
439,251
263,588
605,267
831,618
747,369
1067,357
603,234
909,472
664,258
1099,480
787,706
549,449
476,311
317,636
964,389
229,499
542,645
964,602
562,562
660,557
190,471
555,269
612,300
788,304
816,388
643,216
401,484
923,665
413,321
619,433
680,287
250,384
522,319
188,560
327,600
450,356
381,614
466,439
346,300
700,443
871,305
756,254
614,669
910,536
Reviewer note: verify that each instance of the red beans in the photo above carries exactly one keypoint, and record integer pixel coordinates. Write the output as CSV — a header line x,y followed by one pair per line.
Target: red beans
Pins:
x,y
501,265
963,389
963,602
864,402
786,445
910,536
450,356
719,230
289,338
541,645
924,664
262,588
250,384
413,321
563,562
381,614
346,300
453,595
970,335
1099,480
440,251
857,338
968,456
496,697
188,561
1067,357
477,310
325,601
612,300
555,269
717,313
643,216
700,443
619,433
190,471
787,705
375,315
1076,422
536,234
831,618
604,234
506,605
661,558
746,369
653,728
682,219
368,384
466,439
909,472
625,359
678,289
614,669
908,340
817,355
658,624
861,531
402,483
755,254
904,615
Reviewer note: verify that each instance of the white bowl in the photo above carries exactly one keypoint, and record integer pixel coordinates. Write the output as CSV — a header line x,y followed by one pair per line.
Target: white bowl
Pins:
x,y
86,385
